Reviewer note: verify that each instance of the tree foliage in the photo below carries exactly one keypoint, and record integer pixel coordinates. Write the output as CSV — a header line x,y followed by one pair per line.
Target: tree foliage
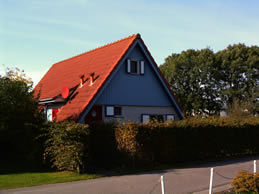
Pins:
x,y
204,82
19,116
191,75
238,70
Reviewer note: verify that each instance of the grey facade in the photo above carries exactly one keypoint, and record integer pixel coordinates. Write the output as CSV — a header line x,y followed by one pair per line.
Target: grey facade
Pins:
x,y
134,113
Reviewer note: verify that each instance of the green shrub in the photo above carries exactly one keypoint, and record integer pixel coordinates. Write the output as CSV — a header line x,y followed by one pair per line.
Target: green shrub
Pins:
x,y
66,145
246,182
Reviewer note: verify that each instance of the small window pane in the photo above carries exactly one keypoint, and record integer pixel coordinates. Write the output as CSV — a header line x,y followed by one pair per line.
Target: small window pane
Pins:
x,y
117,110
145,118
158,118
134,67
170,117
49,114
109,110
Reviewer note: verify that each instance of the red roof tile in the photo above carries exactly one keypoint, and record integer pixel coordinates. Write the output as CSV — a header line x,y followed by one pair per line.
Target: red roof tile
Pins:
x,y
102,61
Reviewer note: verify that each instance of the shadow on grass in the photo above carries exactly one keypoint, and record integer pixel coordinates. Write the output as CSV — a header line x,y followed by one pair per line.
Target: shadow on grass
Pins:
x,y
22,167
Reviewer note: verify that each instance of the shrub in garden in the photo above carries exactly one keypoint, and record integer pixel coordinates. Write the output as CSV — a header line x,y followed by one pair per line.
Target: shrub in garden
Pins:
x,y
246,182
66,145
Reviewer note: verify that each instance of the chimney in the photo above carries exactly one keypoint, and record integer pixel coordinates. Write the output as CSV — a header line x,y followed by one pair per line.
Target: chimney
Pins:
x,y
91,78
81,81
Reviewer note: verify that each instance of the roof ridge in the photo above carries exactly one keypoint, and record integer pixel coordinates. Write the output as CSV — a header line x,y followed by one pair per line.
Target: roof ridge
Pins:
x,y
103,46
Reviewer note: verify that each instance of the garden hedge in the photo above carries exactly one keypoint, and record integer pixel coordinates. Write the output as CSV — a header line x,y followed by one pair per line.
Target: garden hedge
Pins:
x,y
188,140
109,145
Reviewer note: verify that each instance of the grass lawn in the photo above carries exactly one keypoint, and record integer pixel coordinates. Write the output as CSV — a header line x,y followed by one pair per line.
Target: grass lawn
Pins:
x,y
15,180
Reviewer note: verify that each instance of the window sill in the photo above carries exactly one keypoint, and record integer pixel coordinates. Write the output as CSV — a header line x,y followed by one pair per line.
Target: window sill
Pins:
x,y
115,116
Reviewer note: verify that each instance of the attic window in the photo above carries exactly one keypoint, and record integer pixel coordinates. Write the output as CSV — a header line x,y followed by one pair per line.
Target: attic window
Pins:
x,y
135,67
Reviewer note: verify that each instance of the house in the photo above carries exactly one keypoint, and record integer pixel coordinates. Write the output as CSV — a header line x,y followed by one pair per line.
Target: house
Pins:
x,y
119,80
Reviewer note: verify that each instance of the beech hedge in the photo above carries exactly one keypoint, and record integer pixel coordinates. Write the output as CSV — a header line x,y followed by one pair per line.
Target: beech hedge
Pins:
x,y
188,140
107,145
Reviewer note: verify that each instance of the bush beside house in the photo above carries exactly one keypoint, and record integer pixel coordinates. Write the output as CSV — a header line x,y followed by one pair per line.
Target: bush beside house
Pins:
x,y
66,145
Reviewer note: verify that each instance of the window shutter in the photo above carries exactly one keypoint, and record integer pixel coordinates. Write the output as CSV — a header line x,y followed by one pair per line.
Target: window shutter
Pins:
x,y
142,67
128,66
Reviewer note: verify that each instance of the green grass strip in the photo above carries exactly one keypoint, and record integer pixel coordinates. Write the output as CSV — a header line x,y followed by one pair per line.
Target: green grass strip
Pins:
x,y
10,181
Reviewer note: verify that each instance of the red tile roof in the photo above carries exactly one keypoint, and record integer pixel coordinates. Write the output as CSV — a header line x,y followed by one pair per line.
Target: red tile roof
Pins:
x,y
102,61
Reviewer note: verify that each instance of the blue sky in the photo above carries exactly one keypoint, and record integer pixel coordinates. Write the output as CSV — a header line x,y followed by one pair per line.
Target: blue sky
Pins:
x,y
34,34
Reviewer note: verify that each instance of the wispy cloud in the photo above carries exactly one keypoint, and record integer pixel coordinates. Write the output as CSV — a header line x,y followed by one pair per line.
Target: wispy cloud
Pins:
x,y
54,27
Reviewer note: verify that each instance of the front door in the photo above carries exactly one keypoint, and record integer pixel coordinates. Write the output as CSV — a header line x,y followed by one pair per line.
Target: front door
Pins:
x,y
95,114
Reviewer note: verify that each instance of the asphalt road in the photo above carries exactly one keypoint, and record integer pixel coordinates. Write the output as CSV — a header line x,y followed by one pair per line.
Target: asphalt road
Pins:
x,y
191,179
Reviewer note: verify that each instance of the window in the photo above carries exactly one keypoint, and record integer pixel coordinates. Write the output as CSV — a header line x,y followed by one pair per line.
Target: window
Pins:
x,y
135,67
170,117
117,111
109,111
158,118
145,118
49,114
113,111
148,118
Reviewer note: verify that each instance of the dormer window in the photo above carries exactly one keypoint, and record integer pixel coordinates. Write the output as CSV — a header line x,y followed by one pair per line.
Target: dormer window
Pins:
x,y
135,67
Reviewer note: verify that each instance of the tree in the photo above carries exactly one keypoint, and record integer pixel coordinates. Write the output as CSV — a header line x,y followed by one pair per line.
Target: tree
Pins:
x,y
20,118
238,73
205,82
191,75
